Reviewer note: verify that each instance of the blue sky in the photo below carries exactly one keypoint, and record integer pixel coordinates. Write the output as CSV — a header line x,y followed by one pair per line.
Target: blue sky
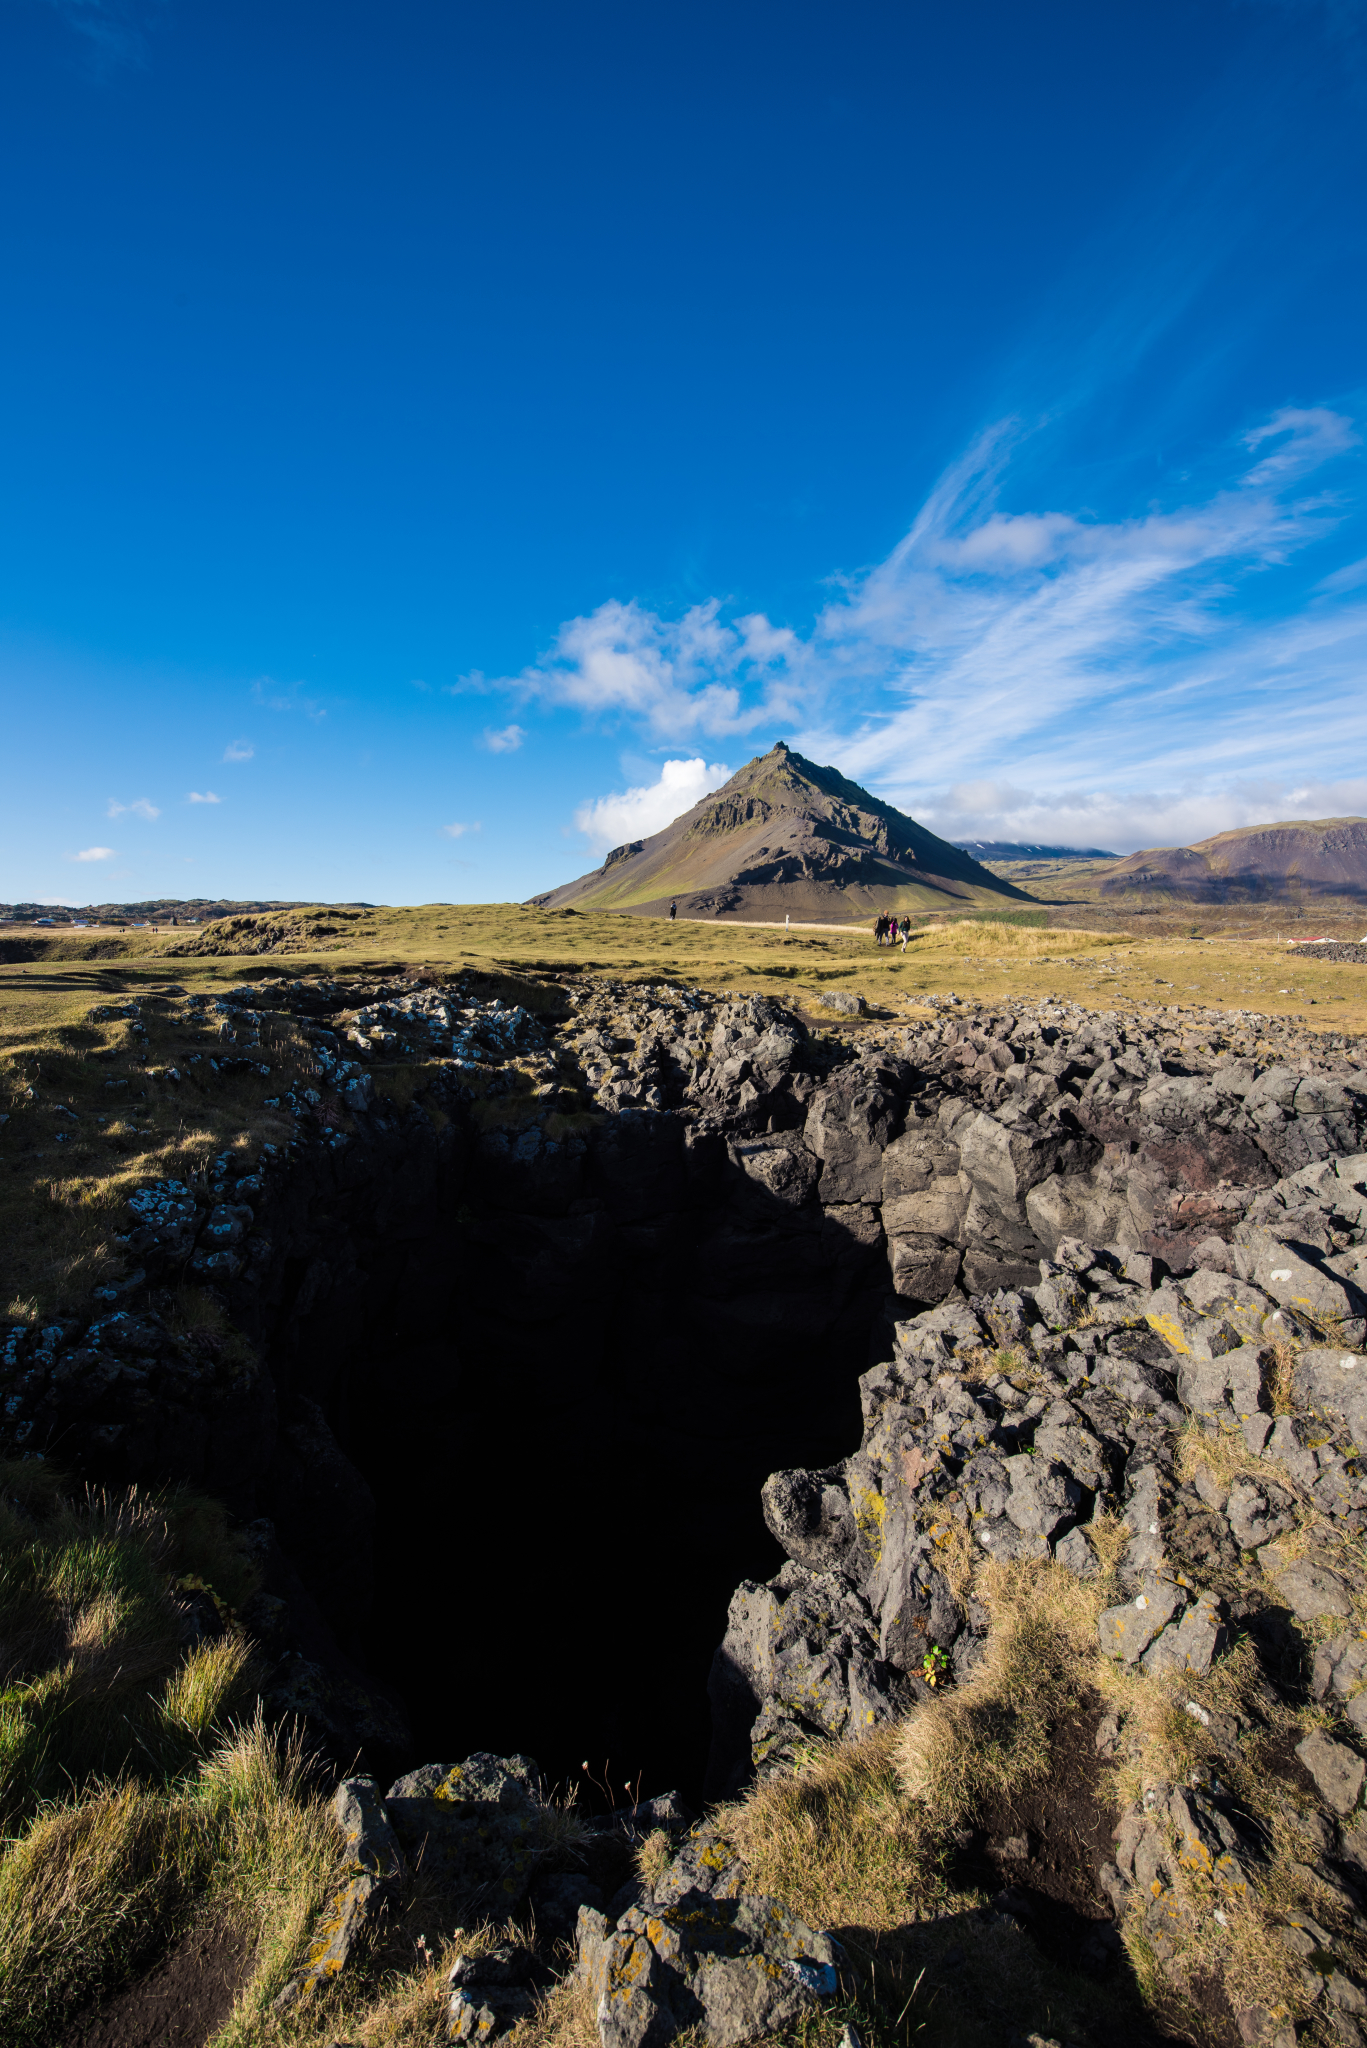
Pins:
x,y
440,442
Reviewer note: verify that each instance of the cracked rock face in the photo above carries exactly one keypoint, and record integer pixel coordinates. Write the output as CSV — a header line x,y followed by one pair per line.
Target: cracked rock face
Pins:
x,y
474,1823
1017,1448
699,1951
959,1152
974,1144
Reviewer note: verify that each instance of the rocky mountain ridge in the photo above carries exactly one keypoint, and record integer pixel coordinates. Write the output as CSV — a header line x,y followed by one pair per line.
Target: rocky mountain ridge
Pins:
x,y
1294,863
785,836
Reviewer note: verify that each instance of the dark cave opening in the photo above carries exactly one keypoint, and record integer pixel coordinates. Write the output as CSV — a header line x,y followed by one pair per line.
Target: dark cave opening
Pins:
x,y
564,1421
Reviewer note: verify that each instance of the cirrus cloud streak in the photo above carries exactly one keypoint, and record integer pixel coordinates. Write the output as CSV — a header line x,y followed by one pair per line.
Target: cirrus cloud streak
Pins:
x,y
1137,663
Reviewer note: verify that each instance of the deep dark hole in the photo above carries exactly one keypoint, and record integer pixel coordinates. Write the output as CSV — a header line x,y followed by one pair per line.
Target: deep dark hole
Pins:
x,y
567,1473
565,1511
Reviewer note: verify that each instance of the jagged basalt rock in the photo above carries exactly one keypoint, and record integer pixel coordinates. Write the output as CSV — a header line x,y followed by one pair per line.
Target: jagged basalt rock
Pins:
x,y
951,1441
796,1190
699,1951
474,1826
374,1874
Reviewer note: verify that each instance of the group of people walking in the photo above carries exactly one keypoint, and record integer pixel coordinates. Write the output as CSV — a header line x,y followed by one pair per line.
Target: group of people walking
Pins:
x,y
887,931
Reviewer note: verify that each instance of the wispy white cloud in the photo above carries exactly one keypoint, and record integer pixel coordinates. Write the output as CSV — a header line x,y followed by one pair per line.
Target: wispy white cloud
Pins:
x,y
140,808
203,796
113,29
505,740
1351,576
1122,661
1059,654
93,853
238,750
459,831
273,696
609,821
1303,439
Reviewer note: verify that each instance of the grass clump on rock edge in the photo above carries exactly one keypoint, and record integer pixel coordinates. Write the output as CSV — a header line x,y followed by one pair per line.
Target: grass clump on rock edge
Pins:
x,y
139,1785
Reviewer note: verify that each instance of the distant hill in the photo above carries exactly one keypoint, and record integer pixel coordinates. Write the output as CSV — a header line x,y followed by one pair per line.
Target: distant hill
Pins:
x,y
786,837
1288,863
156,910
1012,849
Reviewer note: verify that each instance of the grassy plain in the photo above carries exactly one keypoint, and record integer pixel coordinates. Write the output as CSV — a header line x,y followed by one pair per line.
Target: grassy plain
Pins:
x,y
1204,961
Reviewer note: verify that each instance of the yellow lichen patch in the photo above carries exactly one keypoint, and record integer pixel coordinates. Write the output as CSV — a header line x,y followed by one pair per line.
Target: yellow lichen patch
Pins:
x,y
870,1512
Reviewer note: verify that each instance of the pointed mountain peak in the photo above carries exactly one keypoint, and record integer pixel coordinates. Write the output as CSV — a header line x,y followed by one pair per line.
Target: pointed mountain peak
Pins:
x,y
786,837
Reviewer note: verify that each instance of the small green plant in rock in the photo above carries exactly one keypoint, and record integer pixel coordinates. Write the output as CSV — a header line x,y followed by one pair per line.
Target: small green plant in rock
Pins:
x,y
935,1666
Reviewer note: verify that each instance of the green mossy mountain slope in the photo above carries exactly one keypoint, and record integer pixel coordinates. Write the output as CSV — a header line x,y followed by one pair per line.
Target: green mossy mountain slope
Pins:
x,y
785,837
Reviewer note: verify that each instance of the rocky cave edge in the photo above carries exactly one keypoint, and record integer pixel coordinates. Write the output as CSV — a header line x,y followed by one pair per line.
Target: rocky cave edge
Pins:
x,y
512,1377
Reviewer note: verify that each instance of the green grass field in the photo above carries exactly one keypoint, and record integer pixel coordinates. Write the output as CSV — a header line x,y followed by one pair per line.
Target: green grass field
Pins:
x,y
1008,953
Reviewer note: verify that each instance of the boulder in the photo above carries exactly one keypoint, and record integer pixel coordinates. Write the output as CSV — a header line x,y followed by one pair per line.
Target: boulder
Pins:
x,y
809,1513
1074,1551
1258,1514
1193,1643
706,1863
1044,1496
916,1160
1004,1162
937,1210
475,1825
783,1174
1297,1283
1340,1665
1337,1770
1073,1205
735,1968
1309,1589
481,2012
1332,1380
849,1125
923,1268
1060,1297
359,1093
1126,1631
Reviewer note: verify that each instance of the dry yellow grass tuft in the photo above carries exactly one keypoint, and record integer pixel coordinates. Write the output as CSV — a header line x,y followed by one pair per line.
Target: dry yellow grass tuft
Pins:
x,y
836,1841
978,1746
111,1758
98,1882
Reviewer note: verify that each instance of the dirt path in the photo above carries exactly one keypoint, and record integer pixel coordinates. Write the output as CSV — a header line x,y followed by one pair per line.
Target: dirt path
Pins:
x,y
181,2002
